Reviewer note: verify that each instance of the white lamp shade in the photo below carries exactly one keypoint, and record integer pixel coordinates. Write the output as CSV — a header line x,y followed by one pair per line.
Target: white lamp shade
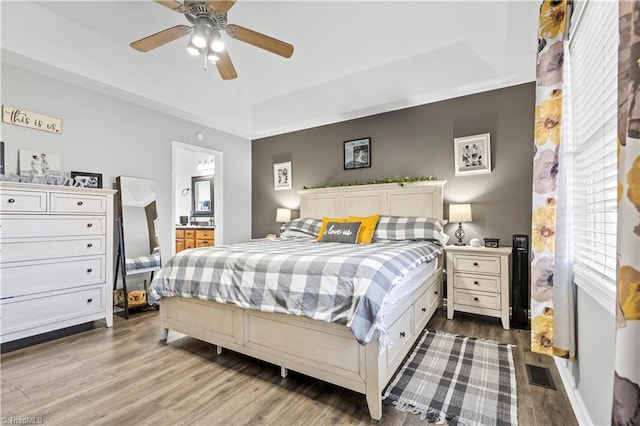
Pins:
x,y
283,215
459,212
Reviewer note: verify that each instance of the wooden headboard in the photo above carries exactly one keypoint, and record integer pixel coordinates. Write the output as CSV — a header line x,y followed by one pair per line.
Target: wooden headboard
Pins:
x,y
413,199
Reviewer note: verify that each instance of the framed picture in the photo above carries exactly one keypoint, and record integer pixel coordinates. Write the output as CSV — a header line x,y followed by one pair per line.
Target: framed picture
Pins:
x,y
87,180
357,153
282,175
38,163
472,155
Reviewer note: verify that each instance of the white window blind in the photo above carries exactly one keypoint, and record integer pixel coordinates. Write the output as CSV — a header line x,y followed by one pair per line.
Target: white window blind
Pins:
x,y
594,83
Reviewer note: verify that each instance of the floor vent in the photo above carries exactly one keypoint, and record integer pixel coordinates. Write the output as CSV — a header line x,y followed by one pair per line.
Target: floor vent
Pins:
x,y
539,376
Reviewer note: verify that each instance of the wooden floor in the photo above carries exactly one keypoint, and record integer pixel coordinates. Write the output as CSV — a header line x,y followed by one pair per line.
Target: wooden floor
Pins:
x,y
125,376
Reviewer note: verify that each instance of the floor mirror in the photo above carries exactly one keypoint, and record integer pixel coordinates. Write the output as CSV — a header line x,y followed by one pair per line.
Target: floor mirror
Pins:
x,y
138,249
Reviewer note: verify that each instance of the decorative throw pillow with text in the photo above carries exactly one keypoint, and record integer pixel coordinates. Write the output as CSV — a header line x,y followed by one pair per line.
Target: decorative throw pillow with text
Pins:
x,y
341,232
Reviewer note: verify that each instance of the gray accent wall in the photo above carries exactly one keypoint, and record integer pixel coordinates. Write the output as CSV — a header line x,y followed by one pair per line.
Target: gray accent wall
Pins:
x,y
414,142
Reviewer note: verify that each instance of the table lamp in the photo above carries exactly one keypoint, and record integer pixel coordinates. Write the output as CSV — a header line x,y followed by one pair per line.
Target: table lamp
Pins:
x,y
459,213
283,215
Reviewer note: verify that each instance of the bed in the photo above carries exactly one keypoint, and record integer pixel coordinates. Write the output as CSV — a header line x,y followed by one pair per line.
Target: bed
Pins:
x,y
360,358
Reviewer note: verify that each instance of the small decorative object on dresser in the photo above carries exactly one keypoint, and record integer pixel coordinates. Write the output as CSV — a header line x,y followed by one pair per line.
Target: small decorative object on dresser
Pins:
x,y
38,163
357,153
472,155
87,180
478,281
57,257
492,242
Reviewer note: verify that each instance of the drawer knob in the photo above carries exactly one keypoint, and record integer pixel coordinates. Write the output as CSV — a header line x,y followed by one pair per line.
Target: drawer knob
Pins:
x,y
476,299
11,200
89,225
476,283
435,292
89,300
424,309
475,264
89,270
402,334
79,203
90,245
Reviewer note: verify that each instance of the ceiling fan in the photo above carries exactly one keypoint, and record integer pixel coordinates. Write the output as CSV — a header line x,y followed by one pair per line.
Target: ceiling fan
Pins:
x,y
209,18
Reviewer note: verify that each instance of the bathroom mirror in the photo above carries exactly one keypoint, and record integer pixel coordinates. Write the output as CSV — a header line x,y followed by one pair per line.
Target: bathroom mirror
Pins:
x,y
202,196
138,250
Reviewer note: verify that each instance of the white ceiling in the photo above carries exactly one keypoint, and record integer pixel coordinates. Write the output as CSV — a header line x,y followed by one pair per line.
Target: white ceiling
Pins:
x,y
351,58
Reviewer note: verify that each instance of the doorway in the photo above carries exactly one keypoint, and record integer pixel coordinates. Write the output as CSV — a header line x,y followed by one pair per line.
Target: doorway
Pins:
x,y
188,161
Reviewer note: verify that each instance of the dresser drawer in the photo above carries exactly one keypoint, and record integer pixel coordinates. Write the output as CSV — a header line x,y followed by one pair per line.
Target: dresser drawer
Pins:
x,y
23,201
204,234
179,233
190,233
476,298
475,263
46,309
14,250
51,226
189,244
28,277
77,203
477,282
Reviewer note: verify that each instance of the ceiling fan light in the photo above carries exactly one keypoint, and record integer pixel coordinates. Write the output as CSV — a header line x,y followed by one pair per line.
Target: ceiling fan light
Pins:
x,y
199,36
213,57
192,49
217,45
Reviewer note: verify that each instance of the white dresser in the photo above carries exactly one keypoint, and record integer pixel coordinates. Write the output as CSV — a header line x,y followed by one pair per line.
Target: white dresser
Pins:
x,y
478,281
56,258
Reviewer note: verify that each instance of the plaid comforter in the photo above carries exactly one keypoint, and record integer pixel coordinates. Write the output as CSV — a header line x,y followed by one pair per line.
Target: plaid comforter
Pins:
x,y
333,282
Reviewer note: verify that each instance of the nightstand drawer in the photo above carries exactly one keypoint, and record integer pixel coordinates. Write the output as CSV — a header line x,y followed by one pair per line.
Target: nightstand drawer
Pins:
x,y
476,298
475,263
477,282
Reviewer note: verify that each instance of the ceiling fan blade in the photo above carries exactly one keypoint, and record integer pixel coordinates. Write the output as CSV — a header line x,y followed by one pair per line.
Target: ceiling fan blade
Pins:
x,y
225,66
173,5
260,40
163,37
220,5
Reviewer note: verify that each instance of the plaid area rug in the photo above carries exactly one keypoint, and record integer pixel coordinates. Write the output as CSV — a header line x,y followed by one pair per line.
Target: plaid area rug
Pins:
x,y
464,380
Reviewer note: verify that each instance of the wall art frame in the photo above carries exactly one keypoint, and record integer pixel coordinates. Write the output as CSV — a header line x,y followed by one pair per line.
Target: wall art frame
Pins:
x,y
472,154
357,153
282,177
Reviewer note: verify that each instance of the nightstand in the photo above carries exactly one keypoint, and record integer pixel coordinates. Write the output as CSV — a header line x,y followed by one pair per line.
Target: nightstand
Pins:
x,y
478,281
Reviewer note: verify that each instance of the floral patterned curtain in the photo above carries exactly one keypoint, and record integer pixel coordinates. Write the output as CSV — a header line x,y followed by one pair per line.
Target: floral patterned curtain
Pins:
x,y
626,391
548,133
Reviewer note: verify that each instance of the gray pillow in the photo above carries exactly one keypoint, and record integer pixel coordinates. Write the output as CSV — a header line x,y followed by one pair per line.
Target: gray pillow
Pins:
x,y
337,232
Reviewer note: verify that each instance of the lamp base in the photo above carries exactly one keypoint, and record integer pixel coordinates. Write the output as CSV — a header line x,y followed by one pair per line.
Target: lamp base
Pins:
x,y
459,244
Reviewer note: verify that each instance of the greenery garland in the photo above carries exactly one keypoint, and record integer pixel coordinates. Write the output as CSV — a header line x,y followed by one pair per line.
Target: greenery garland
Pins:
x,y
395,179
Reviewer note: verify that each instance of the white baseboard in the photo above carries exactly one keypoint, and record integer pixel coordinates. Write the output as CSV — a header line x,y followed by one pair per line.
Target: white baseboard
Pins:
x,y
579,409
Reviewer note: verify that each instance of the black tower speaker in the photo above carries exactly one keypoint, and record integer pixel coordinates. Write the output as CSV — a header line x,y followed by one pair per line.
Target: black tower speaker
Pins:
x,y
520,282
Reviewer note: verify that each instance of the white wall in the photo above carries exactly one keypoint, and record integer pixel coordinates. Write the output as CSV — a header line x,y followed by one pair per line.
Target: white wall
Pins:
x,y
106,135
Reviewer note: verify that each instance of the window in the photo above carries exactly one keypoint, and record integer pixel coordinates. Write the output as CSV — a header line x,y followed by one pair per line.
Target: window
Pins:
x,y
593,49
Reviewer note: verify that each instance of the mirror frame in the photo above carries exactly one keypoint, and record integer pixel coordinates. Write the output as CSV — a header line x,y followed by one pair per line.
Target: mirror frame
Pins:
x,y
194,181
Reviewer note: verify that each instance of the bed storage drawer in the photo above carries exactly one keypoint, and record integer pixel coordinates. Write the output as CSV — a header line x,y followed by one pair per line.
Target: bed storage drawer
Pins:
x,y
401,334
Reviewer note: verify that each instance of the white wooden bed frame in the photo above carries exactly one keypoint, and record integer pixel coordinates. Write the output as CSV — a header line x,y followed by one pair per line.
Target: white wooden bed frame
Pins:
x,y
319,349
